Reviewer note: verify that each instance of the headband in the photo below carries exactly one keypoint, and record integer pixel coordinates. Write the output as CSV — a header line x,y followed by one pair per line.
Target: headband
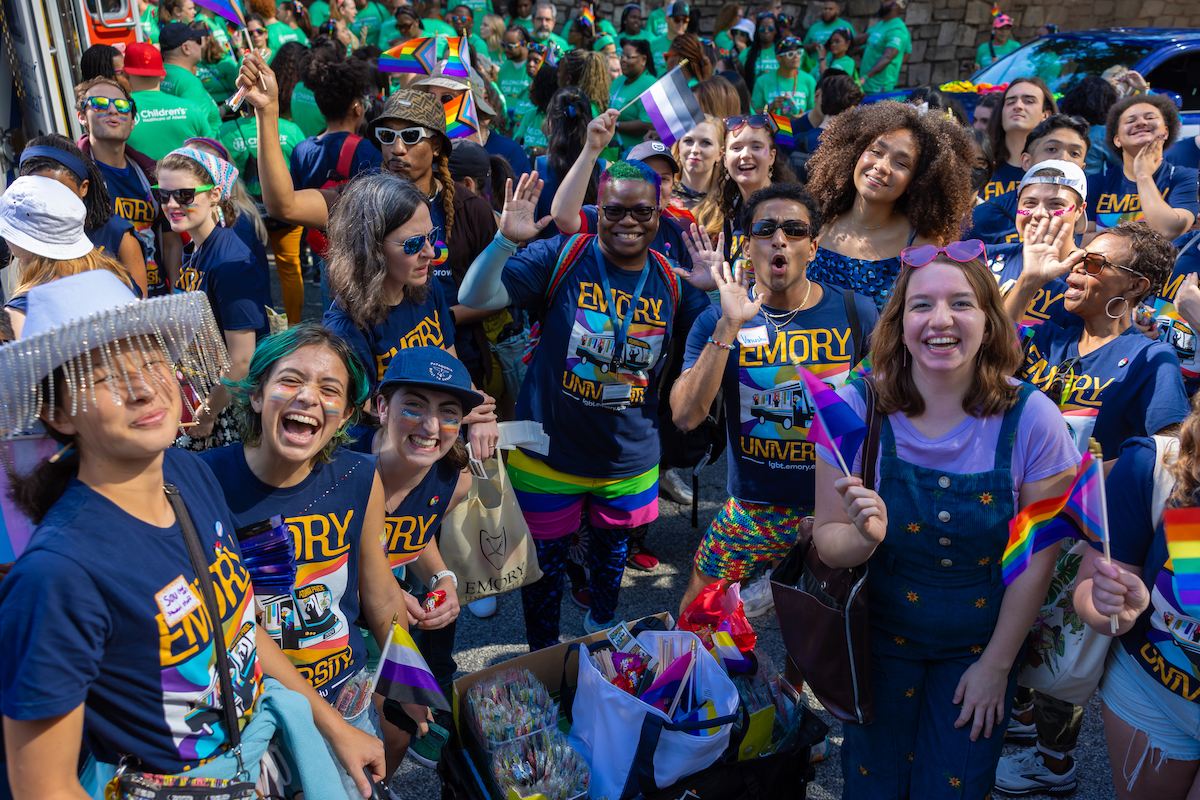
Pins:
x,y
73,164
222,150
223,173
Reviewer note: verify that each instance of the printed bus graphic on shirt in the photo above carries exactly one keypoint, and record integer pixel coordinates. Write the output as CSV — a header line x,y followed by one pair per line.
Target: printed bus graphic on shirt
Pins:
x,y
788,405
589,354
1173,330
241,673
302,619
1173,639
598,349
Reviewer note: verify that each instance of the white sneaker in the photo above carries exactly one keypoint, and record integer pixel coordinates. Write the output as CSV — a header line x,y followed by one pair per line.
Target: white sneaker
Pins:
x,y
1026,773
483,608
676,485
756,596
1019,732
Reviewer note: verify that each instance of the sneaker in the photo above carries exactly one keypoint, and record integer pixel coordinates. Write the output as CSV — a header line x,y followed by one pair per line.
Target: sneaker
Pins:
x,y
641,557
591,626
1020,732
1026,773
483,608
675,485
756,596
582,597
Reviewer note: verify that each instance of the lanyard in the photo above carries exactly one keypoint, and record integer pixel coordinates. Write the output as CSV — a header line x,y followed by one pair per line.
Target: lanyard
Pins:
x,y
620,329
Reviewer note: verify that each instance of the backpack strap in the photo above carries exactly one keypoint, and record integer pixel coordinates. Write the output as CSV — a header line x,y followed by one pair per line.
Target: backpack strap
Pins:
x,y
346,156
568,257
674,287
855,325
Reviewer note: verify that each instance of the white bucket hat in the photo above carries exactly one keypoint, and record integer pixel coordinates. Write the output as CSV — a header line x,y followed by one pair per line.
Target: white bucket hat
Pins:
x,y
44,217
70,317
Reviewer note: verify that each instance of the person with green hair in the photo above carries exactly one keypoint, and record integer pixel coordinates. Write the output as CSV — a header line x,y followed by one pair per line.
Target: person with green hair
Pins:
x,y
292,473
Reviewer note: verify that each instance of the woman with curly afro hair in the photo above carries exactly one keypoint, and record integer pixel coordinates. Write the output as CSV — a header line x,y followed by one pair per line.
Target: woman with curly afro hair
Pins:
x,y
887,177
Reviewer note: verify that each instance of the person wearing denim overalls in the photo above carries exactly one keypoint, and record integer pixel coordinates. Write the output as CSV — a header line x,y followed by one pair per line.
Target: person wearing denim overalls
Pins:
x,y
963,447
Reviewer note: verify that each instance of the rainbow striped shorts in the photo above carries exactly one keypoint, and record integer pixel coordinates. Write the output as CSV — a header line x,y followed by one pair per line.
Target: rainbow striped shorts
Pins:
x,y
551,501
745,536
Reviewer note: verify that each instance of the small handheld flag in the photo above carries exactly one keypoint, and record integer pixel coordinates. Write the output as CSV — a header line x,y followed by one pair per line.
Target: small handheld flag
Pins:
x,y
672,107
414,57
1182,526
457,58
462,120
834,424
229,9
1079,513
404,676
588,17
783,129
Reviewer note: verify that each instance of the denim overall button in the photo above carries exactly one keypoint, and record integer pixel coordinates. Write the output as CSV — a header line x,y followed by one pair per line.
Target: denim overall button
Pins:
x,y
944,482
944,542
944,516
947,562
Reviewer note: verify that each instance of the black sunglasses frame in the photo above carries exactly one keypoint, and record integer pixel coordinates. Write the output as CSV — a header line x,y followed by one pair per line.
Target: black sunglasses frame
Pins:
x,y
639,213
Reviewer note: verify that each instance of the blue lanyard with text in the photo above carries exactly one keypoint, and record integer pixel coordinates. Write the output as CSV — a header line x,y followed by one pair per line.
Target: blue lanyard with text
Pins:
x,y
620,329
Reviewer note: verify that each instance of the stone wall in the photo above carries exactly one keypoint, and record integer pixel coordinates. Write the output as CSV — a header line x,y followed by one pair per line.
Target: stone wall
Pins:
x,y
945,33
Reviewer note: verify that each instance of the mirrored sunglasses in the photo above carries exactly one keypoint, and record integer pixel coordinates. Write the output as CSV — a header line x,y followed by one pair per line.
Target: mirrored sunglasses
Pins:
x,y
962,252
413,244
122,105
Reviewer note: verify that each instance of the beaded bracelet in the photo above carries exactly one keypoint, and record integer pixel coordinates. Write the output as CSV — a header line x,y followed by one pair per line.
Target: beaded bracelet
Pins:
x,y
721,345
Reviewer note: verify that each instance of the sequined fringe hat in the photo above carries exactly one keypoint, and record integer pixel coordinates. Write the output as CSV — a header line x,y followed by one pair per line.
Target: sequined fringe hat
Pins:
x,y
70,317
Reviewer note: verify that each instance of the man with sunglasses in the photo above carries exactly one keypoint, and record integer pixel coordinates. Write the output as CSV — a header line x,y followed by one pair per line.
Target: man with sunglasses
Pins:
x,y
163,121
513,79
887,44
462,19
608,313
749,347
678,14
106,112
787,90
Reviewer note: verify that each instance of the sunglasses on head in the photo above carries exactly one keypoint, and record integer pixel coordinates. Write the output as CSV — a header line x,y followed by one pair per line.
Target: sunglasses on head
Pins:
x,y
962,252
122,105
639,213
734,124
185,197
792,228
409,136
414,244
1094,264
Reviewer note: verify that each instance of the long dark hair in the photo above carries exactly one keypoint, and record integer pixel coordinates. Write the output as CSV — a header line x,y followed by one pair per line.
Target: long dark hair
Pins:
x,y
567,118
755,50
543,87
97,61
287,64
36,492
98,202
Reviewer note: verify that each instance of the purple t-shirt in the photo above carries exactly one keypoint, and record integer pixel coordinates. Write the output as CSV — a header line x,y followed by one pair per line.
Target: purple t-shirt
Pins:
x,y
1043,446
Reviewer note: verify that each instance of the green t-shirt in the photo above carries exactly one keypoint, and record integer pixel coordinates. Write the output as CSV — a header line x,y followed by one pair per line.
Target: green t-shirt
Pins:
x,y
367,23
890,34
149,22
318,12
280,33
479,10
514,85
431,26
656,23
645,36
305,112
658,49
182,83
558,42
165,121
527,24
989,53
845,64
219,79
797,93
219,31
529,132
819,32
240,137
621,93
724,42
766,61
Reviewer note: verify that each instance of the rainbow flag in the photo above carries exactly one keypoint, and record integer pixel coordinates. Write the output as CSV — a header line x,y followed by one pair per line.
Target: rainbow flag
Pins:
x,y
1078,513
458,55
834,424
1182,526
588,17
783,129
404,676
462,120
414,57
229,9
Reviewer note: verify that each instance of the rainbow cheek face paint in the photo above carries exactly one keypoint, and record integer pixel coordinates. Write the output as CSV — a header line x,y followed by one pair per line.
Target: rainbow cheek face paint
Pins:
x,y
283,394
450,425
410,417
332,406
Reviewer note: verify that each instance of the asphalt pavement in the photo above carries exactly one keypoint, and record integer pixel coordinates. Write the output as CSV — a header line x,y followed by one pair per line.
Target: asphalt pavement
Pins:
x,y
484,642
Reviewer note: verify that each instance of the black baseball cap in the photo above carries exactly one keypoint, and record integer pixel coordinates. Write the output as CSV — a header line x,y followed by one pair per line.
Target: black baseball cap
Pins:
x,y
174,34
469,160
644,150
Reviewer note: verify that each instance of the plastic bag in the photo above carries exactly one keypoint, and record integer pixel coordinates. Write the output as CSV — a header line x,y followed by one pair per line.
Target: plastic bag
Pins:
x,y
718,603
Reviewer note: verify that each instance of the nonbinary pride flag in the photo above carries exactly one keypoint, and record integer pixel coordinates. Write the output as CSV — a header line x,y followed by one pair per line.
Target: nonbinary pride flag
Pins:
x,y
1182,526
229,9
834,424
415,57
672,107
404,676
1078,513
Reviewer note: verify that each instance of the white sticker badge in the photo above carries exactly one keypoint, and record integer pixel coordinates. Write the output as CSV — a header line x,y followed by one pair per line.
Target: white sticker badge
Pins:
x,y
176,600
753,337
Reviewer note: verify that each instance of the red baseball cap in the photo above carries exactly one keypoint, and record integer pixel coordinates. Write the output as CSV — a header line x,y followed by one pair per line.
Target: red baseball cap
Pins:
x,y
144,59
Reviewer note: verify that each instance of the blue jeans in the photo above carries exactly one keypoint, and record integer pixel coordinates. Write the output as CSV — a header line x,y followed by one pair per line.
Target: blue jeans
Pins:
x,y
367,720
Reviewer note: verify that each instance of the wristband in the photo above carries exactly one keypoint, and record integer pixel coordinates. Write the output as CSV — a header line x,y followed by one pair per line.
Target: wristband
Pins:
x,y
504,242
453,317
721,345
438,578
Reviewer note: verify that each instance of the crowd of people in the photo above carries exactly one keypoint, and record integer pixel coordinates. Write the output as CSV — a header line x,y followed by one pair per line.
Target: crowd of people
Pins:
x,y
1002,288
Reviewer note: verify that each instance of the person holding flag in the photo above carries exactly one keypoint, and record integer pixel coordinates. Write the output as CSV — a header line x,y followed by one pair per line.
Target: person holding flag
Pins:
x,y
964,446
747,347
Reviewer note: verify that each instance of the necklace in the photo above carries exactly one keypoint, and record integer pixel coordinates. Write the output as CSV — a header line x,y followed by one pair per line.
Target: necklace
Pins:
x,y
877,227
775,319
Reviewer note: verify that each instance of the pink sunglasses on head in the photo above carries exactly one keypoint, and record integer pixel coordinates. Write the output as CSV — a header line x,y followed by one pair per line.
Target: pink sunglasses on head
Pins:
x,y
962,252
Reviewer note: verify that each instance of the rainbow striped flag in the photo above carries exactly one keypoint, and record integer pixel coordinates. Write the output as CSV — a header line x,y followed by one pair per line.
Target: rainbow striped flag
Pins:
x,y
462,120
1078,513
783,129
588,17
229,9
404,676
834,424
414,57
1182,526
458,55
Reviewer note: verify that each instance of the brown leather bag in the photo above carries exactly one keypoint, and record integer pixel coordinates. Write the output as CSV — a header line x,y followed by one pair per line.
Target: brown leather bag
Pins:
x,y
823,612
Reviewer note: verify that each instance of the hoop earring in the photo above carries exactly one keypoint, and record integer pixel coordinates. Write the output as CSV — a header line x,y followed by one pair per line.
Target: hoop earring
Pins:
x,y
1124,311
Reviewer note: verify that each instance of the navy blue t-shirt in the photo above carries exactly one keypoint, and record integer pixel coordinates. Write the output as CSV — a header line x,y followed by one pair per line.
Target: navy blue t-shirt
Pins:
x,y
104,609
1006,262
767,411
315,158
244,228
411,525
572,387
408,324
1130,386
1004,179
995,221
1184,153
546,173
498,145
1113,198
225,269
465,346
1173,329
314,624
108,237
133,201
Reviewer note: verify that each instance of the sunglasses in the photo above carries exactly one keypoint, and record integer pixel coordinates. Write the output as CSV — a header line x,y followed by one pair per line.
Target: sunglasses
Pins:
x,y
1094,264
1063,382
414,244
185,197
510,45
680,19
409,136
962,252
122,105
792,229
639,213
734,124
256,31
459,18
766,29
788,54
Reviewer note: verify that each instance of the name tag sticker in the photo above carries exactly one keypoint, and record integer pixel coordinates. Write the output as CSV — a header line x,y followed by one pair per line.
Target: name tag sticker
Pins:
x,y
753,337
610,392
176,600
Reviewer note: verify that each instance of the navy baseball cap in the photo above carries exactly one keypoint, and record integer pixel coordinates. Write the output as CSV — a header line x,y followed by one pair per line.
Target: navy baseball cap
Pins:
x,y
643,150
433,368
